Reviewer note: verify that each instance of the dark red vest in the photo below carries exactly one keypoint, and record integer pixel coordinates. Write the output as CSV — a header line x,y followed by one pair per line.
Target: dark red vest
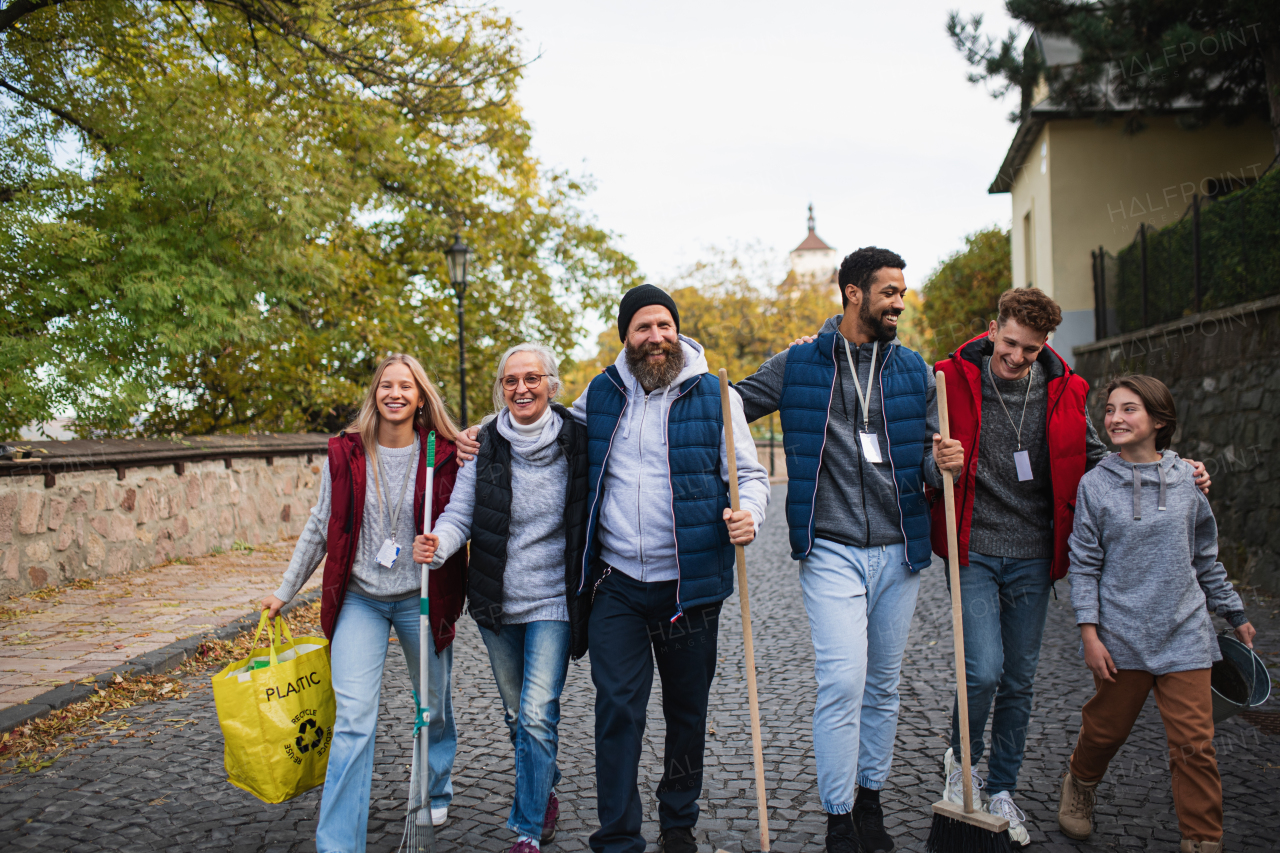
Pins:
x,y
447,586
1065,432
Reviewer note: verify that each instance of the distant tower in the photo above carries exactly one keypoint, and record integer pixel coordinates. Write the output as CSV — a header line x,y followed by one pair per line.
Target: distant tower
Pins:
x,y
813,259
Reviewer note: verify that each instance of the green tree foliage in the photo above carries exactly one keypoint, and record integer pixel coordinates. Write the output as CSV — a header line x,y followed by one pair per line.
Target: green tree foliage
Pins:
x,y
220,214
1139,57
960,296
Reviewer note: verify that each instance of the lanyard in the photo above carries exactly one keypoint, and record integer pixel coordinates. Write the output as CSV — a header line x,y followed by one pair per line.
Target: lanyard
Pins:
x,y
382,472
1000,397
871,381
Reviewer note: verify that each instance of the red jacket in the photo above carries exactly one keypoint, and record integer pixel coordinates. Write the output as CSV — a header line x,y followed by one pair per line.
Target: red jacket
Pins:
x,y
1065,431
447,586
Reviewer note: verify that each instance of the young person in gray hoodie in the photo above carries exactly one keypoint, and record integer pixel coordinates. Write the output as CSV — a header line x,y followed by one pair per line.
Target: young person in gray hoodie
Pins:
x,y
1144,576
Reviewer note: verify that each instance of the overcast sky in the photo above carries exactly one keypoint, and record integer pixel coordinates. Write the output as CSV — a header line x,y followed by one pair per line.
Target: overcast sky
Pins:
x,y
715,123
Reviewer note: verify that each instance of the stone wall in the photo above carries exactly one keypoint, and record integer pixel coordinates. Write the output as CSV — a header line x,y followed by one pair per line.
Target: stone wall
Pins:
x,y
91,524
1223,368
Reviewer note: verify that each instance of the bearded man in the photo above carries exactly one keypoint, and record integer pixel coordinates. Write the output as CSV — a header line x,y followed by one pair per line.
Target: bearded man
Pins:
x,y
659,559
859,419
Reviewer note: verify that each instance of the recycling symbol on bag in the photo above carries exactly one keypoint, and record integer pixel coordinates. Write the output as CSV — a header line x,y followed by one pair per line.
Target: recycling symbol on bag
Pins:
x,y
301,740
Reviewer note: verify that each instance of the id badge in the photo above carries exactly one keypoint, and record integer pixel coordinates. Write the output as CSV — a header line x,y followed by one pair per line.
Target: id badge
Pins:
x,y
1022,459
870,447
387,554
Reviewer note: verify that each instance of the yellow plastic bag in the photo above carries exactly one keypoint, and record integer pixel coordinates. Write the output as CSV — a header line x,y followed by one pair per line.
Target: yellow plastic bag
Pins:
x,y
276,710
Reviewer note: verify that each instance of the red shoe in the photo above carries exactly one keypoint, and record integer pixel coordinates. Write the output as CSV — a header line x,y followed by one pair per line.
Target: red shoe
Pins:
x,y
523,846
549,819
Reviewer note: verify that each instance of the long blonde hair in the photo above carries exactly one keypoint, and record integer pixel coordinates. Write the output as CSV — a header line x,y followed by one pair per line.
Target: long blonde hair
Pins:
x,y
431,415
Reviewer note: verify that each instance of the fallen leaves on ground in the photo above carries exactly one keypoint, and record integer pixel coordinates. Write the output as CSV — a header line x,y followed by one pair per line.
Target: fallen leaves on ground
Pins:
x,y
38,744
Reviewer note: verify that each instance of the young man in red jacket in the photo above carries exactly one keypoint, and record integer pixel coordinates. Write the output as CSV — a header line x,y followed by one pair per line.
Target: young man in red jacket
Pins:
x,y
1019,412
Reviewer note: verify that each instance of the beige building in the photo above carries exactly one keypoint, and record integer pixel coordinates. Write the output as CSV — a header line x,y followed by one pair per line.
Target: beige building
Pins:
x,y
1080,183
813,259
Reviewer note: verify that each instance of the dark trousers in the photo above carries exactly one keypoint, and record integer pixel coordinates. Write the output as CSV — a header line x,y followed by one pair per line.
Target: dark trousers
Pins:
x,y
630,628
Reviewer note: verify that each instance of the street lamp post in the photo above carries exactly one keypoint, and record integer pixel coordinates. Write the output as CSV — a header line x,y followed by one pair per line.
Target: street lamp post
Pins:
x,y
457,257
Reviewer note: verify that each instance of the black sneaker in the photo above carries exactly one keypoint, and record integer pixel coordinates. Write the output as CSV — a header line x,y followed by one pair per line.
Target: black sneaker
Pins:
x,y
869,818
677,840
842,839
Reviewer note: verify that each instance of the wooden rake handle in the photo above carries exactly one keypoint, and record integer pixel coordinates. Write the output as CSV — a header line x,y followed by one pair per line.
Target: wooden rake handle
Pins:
x,y
753,698
957,614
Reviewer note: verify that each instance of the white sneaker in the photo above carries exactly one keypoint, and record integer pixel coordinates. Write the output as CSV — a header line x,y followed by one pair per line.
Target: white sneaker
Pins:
x,y
953,787
439,815
1002,804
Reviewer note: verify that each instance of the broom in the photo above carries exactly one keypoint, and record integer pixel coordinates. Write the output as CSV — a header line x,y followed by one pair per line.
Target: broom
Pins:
x,y
960,829
753,699
418,830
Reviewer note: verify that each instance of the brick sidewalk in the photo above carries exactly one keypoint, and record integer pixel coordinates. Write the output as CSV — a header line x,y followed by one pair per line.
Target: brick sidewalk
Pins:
x,y
68,634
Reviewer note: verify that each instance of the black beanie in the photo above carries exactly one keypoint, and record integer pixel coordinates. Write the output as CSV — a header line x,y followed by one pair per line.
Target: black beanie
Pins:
x,y
639,297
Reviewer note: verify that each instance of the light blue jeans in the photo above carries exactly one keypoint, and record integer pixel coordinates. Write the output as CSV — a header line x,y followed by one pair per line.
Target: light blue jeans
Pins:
x,y
357,654
1006,602
860,602
529,663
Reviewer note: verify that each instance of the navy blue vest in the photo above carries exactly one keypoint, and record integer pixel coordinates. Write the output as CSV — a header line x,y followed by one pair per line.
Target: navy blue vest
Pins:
x,y
804,409
695,430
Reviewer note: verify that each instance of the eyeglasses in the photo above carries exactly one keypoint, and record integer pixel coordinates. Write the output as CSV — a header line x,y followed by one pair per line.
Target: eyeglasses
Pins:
x,y
531,381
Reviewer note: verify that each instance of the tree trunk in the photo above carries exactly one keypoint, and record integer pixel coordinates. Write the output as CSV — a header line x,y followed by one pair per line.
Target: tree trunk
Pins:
x,y
1271,62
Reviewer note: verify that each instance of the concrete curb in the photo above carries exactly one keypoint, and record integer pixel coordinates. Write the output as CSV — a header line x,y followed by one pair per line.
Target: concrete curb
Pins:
x,y
151,663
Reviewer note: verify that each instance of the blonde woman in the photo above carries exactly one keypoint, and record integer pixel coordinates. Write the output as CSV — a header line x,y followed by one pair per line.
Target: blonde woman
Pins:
x,y
365,521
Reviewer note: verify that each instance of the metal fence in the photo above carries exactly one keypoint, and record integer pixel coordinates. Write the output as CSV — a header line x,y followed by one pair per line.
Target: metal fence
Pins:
x,y
1223,251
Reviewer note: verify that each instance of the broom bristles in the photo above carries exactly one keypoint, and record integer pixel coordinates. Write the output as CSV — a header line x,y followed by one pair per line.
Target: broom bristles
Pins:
x,y
948,835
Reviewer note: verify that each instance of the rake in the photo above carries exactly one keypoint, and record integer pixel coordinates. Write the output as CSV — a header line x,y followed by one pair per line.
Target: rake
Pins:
x,y
419,832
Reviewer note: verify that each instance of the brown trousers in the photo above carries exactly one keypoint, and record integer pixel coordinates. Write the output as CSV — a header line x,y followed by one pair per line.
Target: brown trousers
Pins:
x,y
1186,707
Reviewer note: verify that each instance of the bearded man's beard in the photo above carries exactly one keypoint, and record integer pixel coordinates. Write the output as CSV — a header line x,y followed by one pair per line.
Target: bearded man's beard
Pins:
x,y
876,325
658,374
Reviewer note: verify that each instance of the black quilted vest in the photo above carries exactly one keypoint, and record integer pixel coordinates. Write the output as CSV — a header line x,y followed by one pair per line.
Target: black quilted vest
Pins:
x,y
491,526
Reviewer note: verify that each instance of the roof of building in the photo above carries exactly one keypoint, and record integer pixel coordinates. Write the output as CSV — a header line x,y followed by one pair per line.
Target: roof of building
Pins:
x,y
813,242
1058,51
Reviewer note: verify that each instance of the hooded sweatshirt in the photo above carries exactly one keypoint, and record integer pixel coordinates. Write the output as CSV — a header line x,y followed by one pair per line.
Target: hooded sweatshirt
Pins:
x,y
1144,565
636,529
533,586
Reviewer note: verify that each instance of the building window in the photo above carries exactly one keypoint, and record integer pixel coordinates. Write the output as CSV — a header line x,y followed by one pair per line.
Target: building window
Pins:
x,y
1028,249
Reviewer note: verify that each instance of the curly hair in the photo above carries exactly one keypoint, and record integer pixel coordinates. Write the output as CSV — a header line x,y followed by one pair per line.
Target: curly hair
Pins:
x,y
1031,307
861,266
1156,399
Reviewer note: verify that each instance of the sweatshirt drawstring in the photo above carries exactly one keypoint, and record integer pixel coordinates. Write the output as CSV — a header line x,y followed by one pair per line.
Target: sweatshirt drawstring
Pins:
x,y
626,431
665,392
1160,469
1137,493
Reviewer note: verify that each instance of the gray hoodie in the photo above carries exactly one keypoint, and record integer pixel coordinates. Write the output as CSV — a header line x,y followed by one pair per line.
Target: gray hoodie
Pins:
x,y
1144,565
636,528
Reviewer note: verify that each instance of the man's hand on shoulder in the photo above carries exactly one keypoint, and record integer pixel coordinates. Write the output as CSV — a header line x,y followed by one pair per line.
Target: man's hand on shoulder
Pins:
x,y
1201,475
468,445
742,527
803,339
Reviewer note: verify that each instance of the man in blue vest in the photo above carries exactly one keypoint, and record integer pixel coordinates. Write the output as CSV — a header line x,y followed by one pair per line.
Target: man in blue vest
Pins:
x,y
859,420
659,559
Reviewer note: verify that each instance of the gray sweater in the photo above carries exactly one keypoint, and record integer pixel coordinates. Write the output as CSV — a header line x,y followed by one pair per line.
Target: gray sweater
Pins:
x,y
369,578
1144,565
533,587
857,501
1012,517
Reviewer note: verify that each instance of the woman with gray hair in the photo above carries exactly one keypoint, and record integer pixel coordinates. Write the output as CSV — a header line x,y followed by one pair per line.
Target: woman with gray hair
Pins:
x,y
522,503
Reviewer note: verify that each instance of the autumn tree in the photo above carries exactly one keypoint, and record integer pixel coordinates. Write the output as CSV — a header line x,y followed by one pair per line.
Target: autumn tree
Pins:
x,y
220,214
960,296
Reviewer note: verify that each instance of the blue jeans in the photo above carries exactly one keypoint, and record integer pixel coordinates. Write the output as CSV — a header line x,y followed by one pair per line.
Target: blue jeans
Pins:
x,y
860,602
529,663
1005,603
357,655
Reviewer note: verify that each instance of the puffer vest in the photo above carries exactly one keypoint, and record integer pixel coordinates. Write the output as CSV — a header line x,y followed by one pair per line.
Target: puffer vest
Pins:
x,y
804,410
491,527
699,496
1064,428
447,585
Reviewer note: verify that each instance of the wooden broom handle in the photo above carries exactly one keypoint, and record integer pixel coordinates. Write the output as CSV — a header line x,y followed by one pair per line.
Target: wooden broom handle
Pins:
x,y
957,614
753,699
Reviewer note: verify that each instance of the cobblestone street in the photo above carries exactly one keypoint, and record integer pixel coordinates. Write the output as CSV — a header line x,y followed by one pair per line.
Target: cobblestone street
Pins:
x,y
164,789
